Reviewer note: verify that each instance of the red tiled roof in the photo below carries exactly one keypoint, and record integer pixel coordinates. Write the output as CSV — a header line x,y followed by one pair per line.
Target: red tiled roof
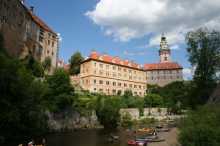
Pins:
x,y
113,60
162,66
41,23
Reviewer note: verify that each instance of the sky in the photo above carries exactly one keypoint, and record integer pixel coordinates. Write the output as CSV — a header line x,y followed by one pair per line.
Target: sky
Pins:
x,y
130,29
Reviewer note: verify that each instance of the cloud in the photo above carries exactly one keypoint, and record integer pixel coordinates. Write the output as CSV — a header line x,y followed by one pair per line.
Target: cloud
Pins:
x,y
134,53
188,73
129,19
60,37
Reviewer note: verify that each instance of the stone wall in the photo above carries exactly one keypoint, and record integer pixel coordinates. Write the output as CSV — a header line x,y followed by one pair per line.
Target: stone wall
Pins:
x,y
157,113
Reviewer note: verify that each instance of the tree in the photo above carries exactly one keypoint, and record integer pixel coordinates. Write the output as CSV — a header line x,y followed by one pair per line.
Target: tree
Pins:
x,y
61,92
47,64
107,111
201,127
22,113
153,100
204,54
75,62
34,66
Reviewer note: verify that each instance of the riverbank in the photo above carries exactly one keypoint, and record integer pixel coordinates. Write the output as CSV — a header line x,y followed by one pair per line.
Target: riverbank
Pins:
x,y
171,138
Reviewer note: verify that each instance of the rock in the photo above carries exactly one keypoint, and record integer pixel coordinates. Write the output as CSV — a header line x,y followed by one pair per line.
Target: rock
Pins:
x,y
70,120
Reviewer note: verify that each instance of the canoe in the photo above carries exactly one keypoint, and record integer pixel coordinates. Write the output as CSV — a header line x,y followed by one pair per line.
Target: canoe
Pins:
x,y
147,130
137,143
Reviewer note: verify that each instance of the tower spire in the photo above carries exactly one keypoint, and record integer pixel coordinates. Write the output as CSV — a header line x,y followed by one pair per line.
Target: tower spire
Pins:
x,y
164,51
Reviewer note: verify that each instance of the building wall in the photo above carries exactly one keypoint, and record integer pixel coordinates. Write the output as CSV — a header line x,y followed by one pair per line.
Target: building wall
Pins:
x,y
164,77
110,79
23,35
49,44
17,27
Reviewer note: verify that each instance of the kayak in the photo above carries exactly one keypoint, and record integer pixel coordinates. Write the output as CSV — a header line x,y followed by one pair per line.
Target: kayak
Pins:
x,y
151,139
137,143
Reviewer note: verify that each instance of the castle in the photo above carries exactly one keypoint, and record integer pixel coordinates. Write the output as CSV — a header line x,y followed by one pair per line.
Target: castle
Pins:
x,y
103,73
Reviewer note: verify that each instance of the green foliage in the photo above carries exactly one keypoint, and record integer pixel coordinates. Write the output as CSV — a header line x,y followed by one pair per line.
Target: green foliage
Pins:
x,y
22,113
147,121
61,93
126,120
127,94
201,127
75,62
107,110
173,94
204,54
47,64
34,66
153,100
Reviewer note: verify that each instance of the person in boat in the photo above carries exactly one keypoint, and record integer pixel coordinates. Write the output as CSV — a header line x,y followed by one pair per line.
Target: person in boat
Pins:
x,y
44,142
155,132
31,143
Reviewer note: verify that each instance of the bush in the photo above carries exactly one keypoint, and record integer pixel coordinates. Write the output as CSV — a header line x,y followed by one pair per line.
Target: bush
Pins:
x,y
107,110
153,100
201,127
126,120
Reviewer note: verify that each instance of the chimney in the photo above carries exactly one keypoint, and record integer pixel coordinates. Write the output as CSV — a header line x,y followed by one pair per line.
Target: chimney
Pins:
x,y
32,9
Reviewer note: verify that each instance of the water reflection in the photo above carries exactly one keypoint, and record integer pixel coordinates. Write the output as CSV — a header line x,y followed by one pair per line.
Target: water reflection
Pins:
x,y
87,138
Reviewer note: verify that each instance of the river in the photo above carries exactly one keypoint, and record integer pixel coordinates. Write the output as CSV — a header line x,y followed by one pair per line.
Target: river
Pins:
x,y
87,138
100,138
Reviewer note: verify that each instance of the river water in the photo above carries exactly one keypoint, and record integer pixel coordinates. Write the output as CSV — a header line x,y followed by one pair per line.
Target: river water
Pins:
x,y
88,138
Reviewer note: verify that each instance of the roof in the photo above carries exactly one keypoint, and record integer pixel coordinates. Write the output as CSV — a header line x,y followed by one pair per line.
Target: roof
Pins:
x,y
162,66
41,23
113,60
37,20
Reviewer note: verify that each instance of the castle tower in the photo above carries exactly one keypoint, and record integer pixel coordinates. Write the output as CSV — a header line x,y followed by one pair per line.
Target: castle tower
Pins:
x,y
164,51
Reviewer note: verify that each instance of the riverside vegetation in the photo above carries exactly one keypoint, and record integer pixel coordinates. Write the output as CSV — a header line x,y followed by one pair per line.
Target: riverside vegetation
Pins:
x,y
27,93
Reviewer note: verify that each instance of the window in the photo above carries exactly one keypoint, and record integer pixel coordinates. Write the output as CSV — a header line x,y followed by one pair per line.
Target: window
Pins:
x,y
94,63
101,65
107,82
94,89
107,66
165,58
119,84
125,85
135,86
94,81
113,67
130,85
100,82
100,72
125,70
114,83
119,69
140,86
100,90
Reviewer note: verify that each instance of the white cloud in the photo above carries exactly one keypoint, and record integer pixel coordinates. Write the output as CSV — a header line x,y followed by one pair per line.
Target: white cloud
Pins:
x,y
188,73
134,53
128,19
60,37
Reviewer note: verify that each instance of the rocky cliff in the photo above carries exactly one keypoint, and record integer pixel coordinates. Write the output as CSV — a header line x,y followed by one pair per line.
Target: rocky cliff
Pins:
x,y
70,120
